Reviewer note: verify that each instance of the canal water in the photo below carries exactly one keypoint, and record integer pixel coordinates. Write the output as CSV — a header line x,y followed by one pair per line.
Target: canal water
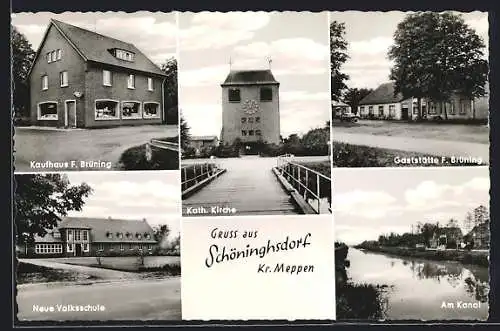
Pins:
x,y
416,288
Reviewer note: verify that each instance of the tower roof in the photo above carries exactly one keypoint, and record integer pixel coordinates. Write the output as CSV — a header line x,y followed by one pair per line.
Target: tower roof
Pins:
x,y
250,77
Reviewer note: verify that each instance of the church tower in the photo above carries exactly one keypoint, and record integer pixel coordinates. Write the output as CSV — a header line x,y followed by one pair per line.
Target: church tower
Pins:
x,y
250,108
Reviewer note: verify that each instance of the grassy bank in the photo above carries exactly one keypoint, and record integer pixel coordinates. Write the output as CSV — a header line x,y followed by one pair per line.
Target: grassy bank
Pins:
x,y
323,168
352,156
135,158
465,257
27,273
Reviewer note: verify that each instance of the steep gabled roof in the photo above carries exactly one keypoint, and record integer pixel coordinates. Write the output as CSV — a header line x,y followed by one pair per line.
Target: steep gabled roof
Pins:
x,y
382,94
99,227
250,77
95,47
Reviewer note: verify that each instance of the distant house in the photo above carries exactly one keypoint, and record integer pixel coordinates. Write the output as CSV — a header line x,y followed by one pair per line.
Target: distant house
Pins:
x,y
77,236
480,236
202,142
446,236
382,103
339,109
83,79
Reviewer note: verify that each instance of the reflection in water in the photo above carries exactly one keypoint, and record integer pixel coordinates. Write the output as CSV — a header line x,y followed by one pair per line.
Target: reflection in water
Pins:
x,y
416,288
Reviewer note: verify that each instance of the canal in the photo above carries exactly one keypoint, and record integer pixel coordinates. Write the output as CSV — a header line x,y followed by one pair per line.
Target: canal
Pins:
x,y
416,289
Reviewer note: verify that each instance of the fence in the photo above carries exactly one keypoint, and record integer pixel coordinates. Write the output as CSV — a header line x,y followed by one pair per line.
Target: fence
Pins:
x,y
313,186
194,173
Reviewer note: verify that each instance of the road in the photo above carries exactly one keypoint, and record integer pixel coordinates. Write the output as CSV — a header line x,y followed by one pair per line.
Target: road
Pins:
x,y
35,144
433,147
248,186
151,299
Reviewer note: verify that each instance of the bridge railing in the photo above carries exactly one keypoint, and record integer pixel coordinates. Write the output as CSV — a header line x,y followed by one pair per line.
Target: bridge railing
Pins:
x,y
194,173
156,145
312,185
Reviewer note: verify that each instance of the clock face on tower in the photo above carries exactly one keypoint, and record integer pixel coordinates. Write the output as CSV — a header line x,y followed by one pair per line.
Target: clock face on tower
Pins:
x,y
250,107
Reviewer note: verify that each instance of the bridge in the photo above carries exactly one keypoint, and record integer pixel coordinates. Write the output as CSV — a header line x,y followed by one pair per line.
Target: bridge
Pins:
x,y
253,185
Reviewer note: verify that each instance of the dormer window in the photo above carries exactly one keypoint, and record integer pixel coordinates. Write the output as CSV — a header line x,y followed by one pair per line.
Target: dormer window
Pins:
x,y
124,55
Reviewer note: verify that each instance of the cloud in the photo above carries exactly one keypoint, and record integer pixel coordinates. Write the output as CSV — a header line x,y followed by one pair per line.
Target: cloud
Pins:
x,y
204,76
290,96
203,118
480,24
377,45
368,204
217,30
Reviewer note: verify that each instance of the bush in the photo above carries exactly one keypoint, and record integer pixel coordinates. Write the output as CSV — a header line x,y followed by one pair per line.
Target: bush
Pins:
x,y
135,159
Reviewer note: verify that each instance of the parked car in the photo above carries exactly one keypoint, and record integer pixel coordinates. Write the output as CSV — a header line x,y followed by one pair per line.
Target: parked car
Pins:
x,y
349,117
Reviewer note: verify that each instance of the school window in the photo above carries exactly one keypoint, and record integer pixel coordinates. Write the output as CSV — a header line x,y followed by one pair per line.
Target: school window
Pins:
x,y
243,132
78,235
85,235
69,248
63,78
47,111
106,110
266,94
370,110
70,235
100,247
243,120
234,95
150,84
250,132
392,110
151,110
257,120
150,247
131,110
121,247
85,247
45,82
131,81
258,133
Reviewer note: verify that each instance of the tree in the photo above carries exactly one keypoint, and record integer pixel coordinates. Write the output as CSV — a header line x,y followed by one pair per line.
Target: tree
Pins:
x,y
436,54
353,96
338,56
452,223
481,215
185,134
161,232
41,200
23,56
428,231
170,95
468,222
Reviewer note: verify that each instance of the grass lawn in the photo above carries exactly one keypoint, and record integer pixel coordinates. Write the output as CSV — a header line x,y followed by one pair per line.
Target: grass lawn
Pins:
x,y
476,133
166,264
353,156
29,274
135,158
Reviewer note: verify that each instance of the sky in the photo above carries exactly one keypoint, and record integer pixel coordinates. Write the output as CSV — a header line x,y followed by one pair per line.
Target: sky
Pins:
x,y
298,44
153,33
370,202
153,195
368,65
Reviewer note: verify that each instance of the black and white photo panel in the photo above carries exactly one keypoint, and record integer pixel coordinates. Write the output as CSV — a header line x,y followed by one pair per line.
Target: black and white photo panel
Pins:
x,y
97,246
255,113
409,89
412,243
95,91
